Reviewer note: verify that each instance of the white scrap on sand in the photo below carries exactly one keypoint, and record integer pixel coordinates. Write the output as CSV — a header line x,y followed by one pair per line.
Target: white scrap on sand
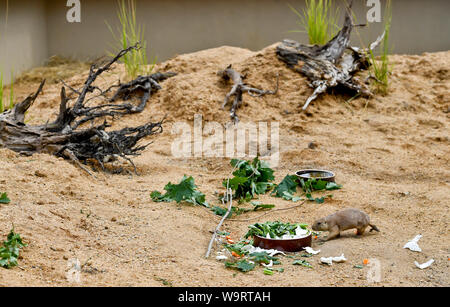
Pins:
x,y
220,256
252,249
309,250
424,265
412,245
330,260
268,265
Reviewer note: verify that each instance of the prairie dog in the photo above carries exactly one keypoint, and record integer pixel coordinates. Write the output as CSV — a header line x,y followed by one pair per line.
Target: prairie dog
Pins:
x,y
343,220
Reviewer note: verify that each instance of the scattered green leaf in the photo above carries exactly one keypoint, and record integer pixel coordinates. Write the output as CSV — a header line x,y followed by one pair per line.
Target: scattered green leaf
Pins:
x,y
4,199
302,262
186,191
241,265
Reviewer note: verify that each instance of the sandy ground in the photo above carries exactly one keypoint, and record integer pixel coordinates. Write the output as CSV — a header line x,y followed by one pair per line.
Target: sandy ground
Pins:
x,y
390,153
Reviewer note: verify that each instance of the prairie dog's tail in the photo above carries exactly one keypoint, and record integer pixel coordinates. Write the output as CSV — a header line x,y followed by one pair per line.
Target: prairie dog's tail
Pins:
x,y
373,227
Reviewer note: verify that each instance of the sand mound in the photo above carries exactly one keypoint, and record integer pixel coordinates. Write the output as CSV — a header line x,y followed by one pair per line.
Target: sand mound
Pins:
x,y
391,154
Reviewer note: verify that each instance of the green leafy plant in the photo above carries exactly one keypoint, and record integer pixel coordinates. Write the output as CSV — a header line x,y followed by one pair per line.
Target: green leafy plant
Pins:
x,y
251,178
9,252
288,187
185,191
312,184
381,69
319,20
289,184
129,34
4,198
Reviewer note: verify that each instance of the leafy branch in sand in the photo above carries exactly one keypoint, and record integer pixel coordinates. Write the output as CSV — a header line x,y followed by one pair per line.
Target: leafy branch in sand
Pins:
x,y
251,178
312,184
185,191
9,252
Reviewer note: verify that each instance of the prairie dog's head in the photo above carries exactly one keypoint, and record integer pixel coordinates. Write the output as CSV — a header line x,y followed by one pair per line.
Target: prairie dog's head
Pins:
x,y
320,225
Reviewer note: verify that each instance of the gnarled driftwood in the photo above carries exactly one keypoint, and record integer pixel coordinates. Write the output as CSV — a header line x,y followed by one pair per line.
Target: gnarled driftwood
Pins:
x,y
329,65
239,87
67,137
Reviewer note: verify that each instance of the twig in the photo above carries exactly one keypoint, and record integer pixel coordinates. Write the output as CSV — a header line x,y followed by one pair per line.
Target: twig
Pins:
x,y
229,196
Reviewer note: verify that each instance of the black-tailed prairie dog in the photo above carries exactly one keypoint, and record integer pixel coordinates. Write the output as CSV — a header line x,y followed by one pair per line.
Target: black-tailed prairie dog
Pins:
x,y
344,220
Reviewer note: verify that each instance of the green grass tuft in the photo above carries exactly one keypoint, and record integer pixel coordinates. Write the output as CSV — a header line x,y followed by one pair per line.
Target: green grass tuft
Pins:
x,y
319,20
381,68
2,108
129,34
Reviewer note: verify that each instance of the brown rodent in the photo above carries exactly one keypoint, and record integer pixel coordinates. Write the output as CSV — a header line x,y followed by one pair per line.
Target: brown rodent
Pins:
x,y
343,220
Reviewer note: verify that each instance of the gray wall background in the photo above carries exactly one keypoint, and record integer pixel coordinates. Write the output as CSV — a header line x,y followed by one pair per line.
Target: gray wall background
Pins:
x,y
38,29
23,40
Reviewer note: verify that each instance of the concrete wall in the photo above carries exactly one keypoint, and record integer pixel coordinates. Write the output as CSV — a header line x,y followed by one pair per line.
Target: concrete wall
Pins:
x,y
179,26
23,40
38,28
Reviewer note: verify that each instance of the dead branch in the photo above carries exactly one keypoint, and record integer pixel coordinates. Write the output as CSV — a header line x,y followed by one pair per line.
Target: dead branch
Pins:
x,y
66,136
329,66
239,87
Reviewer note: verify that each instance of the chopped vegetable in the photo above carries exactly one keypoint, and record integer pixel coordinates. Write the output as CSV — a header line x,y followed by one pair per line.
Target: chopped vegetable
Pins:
x,y
274,229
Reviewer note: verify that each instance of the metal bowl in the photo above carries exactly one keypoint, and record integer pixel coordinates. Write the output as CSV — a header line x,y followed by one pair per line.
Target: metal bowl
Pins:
x,y
291,245
316,174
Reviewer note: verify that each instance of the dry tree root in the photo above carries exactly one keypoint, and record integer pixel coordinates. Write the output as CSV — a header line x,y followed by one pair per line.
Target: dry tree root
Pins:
x,y
65,137
329,65
238,88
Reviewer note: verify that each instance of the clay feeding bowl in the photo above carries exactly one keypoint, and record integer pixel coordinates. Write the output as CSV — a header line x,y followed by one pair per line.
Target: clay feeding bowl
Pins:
x,y
287,245
316,174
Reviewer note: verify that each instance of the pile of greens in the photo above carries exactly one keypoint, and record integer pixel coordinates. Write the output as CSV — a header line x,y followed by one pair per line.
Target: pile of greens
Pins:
x,y
273,229
9,252
251,178
185,191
